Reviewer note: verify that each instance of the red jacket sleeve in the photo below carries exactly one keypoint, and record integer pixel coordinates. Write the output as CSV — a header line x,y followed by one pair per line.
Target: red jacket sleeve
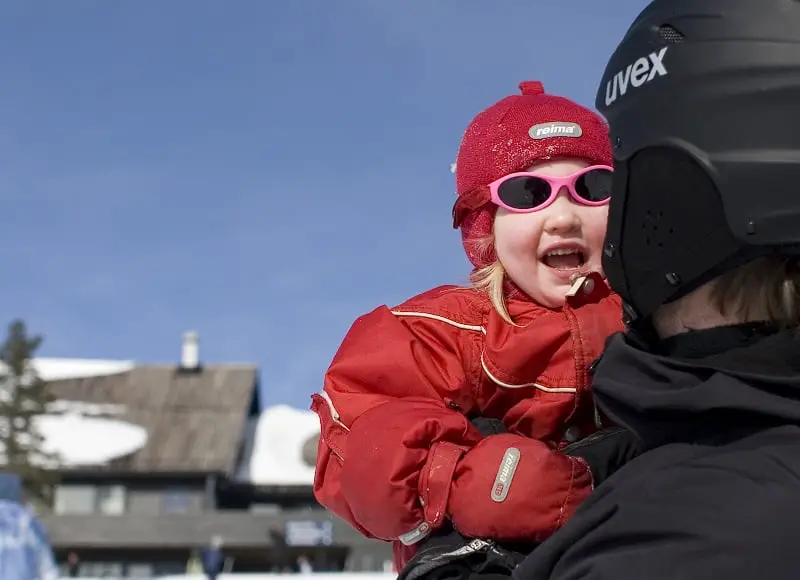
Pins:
x,y
395,458
390,440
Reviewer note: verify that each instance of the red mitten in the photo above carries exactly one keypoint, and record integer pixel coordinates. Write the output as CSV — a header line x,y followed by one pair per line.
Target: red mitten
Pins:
x,y
513,488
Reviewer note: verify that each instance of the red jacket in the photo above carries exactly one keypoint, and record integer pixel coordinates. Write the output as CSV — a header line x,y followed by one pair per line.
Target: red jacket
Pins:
x,y
397,451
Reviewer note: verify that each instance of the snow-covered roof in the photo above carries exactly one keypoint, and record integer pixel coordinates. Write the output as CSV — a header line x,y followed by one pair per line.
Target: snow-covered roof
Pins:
x,y
55,369
107,410
70,431
274,447
279,444
77,440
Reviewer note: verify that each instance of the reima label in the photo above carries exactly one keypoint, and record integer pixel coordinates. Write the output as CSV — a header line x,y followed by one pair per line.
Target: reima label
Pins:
x,y
636,74
555,129
415,535
505,475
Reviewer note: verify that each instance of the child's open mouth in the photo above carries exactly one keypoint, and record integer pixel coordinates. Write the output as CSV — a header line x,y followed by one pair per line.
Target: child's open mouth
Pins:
x,y
564,259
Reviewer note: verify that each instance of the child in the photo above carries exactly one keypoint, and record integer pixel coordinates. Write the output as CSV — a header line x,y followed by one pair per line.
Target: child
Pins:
x,y
398,455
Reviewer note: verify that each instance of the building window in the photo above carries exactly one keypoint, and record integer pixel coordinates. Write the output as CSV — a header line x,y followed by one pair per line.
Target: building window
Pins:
x,y
102,569
90,499
75,499
265,508
111,500
140,571
176,501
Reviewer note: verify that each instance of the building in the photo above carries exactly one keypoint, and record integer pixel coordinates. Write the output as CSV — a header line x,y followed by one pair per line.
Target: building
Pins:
x,y
158,459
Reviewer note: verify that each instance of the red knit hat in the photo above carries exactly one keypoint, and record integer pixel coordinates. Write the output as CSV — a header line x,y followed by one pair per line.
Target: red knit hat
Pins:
x,y
510,136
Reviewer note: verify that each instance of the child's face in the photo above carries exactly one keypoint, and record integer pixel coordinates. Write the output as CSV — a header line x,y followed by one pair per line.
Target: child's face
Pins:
x,y
525,242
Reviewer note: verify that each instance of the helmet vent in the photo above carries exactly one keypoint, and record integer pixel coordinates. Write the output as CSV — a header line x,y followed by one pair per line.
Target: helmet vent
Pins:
x,y
656,230
670,34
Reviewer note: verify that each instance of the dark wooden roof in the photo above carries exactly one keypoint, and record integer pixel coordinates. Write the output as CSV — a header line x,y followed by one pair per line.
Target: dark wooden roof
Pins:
x,y
194,420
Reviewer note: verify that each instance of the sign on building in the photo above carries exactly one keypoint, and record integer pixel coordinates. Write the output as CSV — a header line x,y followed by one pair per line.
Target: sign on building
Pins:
x,y
309,533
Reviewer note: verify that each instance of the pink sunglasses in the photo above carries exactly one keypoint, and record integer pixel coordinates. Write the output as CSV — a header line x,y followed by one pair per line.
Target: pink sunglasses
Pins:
x,y
528,191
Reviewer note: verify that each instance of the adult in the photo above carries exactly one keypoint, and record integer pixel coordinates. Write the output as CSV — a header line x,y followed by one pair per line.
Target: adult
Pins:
x,y
703,245
73,565
213,558
25,552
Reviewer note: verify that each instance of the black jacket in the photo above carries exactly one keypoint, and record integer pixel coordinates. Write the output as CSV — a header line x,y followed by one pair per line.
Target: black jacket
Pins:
x,y
716,494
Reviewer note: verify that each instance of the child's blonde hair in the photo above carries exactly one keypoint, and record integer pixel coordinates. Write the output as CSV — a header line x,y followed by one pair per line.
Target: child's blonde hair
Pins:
x,y
491,278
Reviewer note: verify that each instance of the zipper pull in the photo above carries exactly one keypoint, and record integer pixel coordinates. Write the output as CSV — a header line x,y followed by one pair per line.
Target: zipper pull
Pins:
x,y
593,365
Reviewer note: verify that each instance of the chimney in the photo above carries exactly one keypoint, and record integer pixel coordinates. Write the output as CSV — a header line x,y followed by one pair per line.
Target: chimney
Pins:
x,y
190,352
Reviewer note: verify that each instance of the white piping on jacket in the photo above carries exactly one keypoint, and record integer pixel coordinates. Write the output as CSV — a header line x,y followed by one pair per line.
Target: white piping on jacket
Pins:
x,y
333,411
461,325
482,329
537,385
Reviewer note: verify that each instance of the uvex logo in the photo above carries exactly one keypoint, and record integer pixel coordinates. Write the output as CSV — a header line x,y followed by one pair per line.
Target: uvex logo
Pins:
x,y
644,70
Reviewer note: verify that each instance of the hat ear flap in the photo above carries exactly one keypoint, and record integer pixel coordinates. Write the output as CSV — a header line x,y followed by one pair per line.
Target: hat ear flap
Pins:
x,y
467,203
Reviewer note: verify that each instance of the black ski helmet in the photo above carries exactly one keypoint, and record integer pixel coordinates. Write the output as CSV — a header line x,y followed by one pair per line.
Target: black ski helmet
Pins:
x,y
703,103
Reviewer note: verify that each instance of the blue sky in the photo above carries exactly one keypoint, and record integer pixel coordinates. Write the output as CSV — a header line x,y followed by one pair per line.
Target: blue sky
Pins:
x,y
261,171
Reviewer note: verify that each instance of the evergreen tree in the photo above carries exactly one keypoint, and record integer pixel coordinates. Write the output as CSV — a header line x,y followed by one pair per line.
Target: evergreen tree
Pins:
x,y
23,396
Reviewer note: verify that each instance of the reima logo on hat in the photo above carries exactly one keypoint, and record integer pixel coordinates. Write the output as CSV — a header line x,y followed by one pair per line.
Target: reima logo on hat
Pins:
x,y
555,129
636,74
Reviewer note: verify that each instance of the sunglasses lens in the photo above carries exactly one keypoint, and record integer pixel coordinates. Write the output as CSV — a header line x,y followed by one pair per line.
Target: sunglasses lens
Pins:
x,y
524,192
594,185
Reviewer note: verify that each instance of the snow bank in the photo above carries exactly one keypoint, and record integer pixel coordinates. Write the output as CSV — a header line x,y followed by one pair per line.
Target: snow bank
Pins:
x,y
274,447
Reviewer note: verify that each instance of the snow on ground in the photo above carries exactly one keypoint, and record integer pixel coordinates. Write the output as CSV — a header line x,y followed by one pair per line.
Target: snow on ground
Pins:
x,y
274,447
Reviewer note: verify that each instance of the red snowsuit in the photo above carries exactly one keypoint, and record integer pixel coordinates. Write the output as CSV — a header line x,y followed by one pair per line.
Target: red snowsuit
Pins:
x,y
397,452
